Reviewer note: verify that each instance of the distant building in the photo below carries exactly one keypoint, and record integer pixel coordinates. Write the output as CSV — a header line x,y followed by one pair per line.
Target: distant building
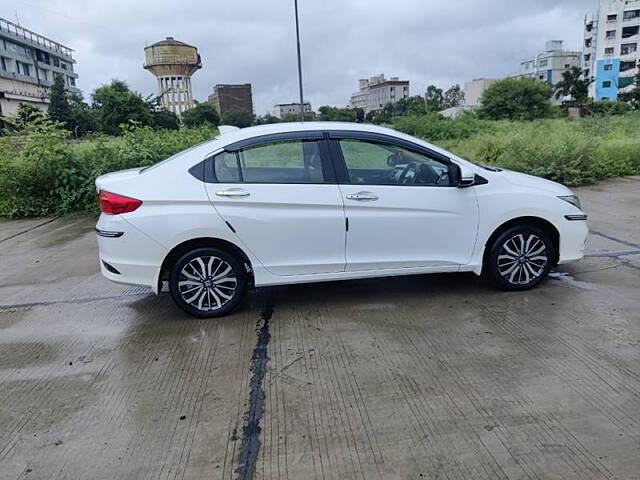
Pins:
x,y
474,89
227,97
28,64
173,63
290,108
375,92
611,36
548,66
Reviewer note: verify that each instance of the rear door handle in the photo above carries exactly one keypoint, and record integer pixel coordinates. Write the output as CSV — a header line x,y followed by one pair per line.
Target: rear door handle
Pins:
x,y
363,197
234,192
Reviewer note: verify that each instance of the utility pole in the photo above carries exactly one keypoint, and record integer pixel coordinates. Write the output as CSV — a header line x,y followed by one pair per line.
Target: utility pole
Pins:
x,y
295,4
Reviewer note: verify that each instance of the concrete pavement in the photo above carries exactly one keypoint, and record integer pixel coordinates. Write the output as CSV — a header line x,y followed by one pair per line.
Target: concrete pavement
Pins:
x,y
419,377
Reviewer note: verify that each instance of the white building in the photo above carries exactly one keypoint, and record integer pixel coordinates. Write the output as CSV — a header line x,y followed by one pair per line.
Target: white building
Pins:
x,y
28,64
282,109
374,93
611,37
474,89
548,66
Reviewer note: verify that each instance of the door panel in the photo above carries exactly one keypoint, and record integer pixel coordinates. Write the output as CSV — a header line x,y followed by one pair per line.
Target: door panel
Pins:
x,y
401,210
292,228
409,226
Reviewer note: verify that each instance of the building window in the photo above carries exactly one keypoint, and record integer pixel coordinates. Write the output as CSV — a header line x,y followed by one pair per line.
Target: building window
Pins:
x,y
611,34
608,67
628,48
56,62
4,63
606,84
43,74
608,51
587,57
612,17
631,14
63,65
544,62
23,68
71,81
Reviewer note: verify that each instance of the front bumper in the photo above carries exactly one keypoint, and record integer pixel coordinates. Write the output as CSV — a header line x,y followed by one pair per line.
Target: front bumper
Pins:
x,y
573,240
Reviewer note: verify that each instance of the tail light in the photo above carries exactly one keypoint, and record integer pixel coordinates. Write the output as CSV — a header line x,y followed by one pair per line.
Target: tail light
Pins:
x,y
114,204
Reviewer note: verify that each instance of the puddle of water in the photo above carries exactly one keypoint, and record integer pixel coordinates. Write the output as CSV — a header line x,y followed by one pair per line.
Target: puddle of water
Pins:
x,y
569,280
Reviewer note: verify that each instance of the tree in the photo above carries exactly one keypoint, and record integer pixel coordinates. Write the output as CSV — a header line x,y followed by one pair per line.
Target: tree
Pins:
x,y
454,97
237,118
574,86
59,107
266,119
84,119
434,99
203,113
516,99
337,114
633,97
295,117
163,118
117,104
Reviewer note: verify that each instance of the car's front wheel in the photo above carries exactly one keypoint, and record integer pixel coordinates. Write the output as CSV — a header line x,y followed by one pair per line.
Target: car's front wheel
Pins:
x,y
207,282
520,258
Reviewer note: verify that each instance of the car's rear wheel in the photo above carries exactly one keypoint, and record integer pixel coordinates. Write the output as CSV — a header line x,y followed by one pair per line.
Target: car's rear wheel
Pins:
x,y
520,258
207,282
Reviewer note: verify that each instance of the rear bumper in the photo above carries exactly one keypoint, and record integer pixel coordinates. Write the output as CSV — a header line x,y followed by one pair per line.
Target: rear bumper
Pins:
x,y
133,258
573,239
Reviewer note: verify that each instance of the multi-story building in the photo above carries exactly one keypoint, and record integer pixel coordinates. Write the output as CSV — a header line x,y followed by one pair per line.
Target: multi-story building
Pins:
x,y
290,108
611,37
28,64
375,92
548,66
474,89
227,97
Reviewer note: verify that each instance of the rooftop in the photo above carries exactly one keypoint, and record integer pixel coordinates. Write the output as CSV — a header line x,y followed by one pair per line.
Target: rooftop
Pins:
x,y
33,37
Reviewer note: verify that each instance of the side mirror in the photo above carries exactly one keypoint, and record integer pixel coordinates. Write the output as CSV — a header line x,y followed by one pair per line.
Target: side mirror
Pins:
x,y
462,177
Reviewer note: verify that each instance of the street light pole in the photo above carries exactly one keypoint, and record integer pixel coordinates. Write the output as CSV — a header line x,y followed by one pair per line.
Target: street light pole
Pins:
x,y
295,3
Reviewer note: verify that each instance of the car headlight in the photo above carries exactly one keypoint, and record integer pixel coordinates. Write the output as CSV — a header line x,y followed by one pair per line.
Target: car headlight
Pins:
x,y
572,199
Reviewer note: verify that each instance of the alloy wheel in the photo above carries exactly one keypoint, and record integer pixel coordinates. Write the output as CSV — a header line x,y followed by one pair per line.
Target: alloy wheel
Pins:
x,y
207,283
522,259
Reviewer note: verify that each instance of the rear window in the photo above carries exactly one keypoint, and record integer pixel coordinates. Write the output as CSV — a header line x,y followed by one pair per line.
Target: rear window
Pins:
x,y
295,161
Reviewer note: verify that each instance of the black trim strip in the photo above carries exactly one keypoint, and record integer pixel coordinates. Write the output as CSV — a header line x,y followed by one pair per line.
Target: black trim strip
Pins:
x,y
575,218
108,234
110,268
274,137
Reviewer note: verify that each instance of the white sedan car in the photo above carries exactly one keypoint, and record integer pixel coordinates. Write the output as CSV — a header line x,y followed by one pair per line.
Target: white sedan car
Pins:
x,y
314,202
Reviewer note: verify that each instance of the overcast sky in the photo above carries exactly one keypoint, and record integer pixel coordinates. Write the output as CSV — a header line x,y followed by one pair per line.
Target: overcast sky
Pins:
x,y
425,41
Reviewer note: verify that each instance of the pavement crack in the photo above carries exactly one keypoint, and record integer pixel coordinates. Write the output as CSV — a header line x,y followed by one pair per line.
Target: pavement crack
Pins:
x,y
614,239
17,306
250,445
29,229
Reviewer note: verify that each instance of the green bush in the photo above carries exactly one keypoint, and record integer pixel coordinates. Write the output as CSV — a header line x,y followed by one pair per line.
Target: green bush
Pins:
x,y
42,172
573,152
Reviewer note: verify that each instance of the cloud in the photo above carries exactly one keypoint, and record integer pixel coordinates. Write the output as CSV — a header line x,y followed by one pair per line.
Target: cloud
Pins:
x,y
425,41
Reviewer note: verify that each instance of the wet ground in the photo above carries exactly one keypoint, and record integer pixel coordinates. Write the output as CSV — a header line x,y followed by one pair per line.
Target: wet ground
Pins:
x,y
420,377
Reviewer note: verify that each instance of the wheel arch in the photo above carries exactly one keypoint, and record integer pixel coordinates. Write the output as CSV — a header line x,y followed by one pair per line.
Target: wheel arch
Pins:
x,y
539,222
203,242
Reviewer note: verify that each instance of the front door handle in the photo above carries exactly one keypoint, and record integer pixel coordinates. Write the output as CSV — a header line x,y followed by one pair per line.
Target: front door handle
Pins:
x,y
363,197
234,192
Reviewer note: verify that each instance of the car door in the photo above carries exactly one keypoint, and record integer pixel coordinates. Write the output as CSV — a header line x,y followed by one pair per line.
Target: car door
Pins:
x,y
401,207
278,193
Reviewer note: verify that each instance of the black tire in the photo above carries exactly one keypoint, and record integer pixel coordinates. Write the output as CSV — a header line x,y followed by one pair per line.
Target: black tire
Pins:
x,y
520,258
205,296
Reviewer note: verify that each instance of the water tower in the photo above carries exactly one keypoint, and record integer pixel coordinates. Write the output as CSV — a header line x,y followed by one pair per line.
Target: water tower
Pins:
x,y
173,63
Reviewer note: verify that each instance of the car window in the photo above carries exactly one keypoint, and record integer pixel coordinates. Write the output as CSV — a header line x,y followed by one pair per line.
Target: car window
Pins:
x,y
371,163
296,161
226,168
